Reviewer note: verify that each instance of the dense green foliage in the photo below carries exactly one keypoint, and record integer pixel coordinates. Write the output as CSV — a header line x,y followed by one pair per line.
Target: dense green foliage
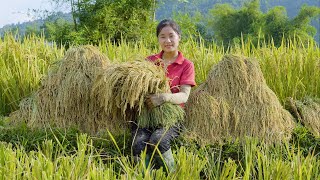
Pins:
x,y
288,11
95,20
230,24
222,21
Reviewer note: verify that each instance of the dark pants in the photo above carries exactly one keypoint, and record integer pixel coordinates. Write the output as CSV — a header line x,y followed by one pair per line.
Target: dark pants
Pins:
x,y
152,137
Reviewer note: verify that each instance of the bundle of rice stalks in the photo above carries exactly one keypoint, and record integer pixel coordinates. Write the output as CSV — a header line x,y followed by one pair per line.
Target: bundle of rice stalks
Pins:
x,y
64,98
306,111
122,88
236,102
166,115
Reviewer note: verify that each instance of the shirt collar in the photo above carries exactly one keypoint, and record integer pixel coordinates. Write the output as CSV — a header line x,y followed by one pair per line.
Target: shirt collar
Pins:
x,y
179,59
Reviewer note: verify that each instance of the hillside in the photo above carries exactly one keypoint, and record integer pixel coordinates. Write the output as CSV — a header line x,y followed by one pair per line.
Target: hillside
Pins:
x,y
25,26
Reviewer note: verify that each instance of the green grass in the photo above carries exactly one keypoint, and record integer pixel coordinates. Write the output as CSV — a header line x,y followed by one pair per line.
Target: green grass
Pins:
x,y
69,154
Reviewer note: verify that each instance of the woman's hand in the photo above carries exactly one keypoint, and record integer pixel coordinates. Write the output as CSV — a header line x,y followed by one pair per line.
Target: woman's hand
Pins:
x,y
154,100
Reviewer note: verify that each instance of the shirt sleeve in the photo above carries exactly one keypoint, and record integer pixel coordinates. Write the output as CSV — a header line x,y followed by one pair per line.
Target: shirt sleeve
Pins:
x,y
188,75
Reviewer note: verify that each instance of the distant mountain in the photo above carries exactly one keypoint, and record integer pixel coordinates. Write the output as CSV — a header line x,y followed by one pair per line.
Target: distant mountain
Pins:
x,y
37,24
22,27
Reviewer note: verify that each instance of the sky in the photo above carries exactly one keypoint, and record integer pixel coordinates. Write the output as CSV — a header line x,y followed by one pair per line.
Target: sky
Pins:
x,y
15,11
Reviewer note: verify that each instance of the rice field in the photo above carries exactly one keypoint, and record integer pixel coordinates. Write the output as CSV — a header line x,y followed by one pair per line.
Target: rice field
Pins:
x,y
291,70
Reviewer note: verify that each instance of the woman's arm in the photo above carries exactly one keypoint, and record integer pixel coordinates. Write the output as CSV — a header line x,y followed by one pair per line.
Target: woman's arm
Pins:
x,y
174,98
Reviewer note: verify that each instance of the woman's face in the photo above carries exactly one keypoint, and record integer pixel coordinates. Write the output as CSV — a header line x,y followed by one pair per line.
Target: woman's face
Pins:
x,y
168,39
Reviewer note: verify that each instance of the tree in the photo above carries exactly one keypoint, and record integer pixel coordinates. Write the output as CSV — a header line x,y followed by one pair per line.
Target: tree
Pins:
x,y
300,25
276,24
32,30
59,30
114,19
230,24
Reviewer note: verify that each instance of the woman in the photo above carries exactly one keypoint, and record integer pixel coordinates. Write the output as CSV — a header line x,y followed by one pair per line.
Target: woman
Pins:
x,y
181,73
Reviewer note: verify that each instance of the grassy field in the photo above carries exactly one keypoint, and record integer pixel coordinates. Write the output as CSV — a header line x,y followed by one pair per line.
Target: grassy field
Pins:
x,y
291,70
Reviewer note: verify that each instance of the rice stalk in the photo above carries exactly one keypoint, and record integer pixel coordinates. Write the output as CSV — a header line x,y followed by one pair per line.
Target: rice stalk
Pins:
x,y
121,88
63,98
306,111
165,115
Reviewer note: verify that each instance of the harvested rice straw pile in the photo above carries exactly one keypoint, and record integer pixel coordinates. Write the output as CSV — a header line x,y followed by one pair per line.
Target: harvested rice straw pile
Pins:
x,y
236,102
306,111
63,99
122,88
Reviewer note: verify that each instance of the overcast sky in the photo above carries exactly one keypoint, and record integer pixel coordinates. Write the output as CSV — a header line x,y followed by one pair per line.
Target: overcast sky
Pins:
x,y
14,11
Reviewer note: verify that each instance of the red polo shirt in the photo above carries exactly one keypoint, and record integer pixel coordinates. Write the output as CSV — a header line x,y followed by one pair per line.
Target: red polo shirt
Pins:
x,y
180,72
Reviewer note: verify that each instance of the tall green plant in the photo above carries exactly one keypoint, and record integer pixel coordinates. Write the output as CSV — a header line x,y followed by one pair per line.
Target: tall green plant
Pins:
x,y
22,64
292,70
